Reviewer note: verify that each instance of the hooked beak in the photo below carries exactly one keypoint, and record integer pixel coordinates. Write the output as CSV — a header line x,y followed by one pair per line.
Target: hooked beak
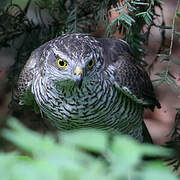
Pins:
x,y
78,76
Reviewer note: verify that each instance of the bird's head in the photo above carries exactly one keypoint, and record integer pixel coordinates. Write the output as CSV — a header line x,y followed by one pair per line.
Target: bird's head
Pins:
x,y
72,59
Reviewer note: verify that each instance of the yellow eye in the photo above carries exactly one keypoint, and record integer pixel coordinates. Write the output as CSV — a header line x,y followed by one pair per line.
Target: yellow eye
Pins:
x,y
91,63
61,63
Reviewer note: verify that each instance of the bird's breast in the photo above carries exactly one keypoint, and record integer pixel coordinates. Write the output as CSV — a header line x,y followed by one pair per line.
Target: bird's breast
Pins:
x,y
98,104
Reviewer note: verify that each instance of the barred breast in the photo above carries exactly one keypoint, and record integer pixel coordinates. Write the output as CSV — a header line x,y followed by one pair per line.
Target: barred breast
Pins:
x,y
97,104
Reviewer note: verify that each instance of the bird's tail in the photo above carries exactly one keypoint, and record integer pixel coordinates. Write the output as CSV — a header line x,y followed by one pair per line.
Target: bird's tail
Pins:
x,y
146,135
174,144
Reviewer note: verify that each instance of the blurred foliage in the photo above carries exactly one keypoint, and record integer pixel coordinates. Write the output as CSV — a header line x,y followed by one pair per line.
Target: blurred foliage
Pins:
x,y
73,157
166,55
175,143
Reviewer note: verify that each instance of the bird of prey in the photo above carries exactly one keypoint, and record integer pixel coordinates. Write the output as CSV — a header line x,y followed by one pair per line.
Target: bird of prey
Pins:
x,y
79,81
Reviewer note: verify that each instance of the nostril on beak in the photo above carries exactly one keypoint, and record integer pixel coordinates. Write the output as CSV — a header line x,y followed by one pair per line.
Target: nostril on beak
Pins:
x,y
78,71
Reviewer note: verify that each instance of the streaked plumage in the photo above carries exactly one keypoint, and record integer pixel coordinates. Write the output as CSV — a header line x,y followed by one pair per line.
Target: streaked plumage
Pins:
x,y
110,95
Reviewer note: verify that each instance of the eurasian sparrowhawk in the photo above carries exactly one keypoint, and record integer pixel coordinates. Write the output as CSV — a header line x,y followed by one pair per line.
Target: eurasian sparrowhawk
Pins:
x,y
79,81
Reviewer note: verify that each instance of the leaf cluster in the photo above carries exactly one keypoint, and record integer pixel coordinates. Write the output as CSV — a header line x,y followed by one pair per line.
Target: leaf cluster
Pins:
x,y
175,143
41,157
137,18
165,55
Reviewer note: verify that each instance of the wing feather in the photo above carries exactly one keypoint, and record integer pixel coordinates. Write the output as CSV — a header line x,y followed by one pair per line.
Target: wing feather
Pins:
x,y
130,77
26,76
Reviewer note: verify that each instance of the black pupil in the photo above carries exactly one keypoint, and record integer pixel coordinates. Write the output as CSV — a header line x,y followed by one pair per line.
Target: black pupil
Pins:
x,y
90,63
61,63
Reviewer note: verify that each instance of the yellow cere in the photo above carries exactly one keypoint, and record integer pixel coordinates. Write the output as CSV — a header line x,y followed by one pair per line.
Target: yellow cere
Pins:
x,y
78,70
91,63
61,63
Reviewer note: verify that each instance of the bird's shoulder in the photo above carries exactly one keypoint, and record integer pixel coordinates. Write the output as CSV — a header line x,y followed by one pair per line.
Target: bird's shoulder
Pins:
x,y
29,71
130,77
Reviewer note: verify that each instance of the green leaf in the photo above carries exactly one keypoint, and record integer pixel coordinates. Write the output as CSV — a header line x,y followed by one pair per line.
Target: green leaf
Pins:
x,y
165,58
7,161
163,55
161,74
161,81
177,14
140,3
156,171
24,158
161,2
175,61
141,14
165,27
171,82
88,139
67,159
177,32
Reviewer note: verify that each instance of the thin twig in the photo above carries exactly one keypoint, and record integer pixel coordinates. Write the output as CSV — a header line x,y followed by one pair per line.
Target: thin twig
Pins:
x,y
162,44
